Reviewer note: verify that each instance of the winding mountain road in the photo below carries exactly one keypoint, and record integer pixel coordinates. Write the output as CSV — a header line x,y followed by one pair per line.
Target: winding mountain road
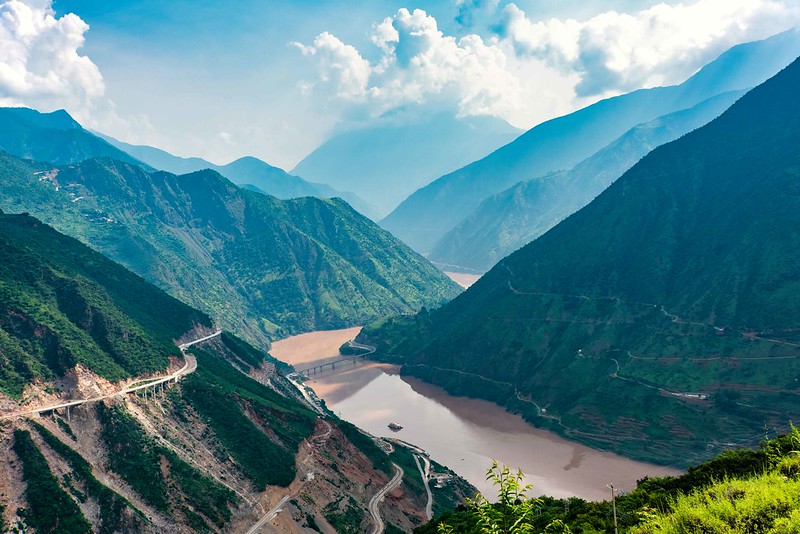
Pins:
x,y
313,441
378,497
425,480
189,367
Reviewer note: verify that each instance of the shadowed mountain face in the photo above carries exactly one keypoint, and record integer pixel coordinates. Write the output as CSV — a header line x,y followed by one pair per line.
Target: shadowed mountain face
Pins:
x,y
509,220
559,144
661,320
53,137
246,171
258,265
385,162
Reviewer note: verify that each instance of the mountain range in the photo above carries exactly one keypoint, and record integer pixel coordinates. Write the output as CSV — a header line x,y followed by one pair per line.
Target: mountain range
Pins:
x,y
260,266
660,320
512,218
388,159
245,171
559,144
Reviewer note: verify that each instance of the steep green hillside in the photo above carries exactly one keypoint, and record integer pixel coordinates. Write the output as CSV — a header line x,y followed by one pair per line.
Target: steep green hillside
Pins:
x,y
62,304
50,509
511,219
259,266
53,137
191,455
661,320
561,143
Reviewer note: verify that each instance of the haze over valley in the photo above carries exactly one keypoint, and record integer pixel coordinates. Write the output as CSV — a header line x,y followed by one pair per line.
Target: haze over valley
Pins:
x,y
483,266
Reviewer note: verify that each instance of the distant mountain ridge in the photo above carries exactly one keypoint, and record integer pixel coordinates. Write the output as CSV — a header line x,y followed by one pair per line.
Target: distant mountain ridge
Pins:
x,y
661,320
509,220
561,143
387,159
54,137
247,170
260,266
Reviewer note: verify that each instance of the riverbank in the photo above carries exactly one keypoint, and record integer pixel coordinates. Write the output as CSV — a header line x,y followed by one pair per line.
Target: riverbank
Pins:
x,y
464,434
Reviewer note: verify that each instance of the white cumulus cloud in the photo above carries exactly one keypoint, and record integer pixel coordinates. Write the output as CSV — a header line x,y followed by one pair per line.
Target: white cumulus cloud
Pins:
x,y
663,44
40,63
416,64
340,64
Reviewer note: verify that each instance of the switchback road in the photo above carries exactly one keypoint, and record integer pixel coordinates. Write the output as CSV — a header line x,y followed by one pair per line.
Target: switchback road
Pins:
x,y
378,497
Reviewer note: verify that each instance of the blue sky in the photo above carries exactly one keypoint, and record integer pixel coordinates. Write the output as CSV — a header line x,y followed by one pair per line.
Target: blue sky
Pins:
x,y
274,78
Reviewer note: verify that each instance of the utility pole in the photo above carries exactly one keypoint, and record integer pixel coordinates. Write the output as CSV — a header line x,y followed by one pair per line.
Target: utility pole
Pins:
x,y
614,507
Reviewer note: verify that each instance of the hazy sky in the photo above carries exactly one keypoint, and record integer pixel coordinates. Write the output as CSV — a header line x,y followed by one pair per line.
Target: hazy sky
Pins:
x,y
273,78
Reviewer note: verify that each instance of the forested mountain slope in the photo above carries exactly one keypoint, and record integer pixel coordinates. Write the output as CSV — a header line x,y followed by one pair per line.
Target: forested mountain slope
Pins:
x,y
243,171
260,266
212,449
62,304
661,319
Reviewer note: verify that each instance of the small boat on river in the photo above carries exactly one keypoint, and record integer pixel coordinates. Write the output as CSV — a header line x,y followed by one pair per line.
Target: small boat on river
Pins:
x,y
395,426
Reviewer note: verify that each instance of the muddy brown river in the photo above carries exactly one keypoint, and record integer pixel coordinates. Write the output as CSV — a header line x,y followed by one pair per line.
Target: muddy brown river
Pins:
x,y
463,434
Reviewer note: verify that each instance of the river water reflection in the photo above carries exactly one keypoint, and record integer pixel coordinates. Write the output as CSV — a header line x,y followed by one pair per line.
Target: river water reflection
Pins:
x,y
464,434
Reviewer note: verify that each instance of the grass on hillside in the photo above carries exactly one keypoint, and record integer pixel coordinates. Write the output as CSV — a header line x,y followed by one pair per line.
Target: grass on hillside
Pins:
x,y
259,428
112,505
50,508
139,460
754,491
62,304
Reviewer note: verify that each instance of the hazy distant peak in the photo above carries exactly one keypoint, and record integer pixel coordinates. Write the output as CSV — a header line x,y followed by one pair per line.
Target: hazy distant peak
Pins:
x,y
56,120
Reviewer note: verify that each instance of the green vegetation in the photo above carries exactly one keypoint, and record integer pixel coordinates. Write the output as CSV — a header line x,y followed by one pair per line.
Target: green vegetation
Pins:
x,y
200,492
62,304
311,522
259,428
262,267
452,492
412,480
768,504
50,508
660,320
139,460
64,426
112,505
738,491
345,518
380,460
244,353
513,513
133,456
